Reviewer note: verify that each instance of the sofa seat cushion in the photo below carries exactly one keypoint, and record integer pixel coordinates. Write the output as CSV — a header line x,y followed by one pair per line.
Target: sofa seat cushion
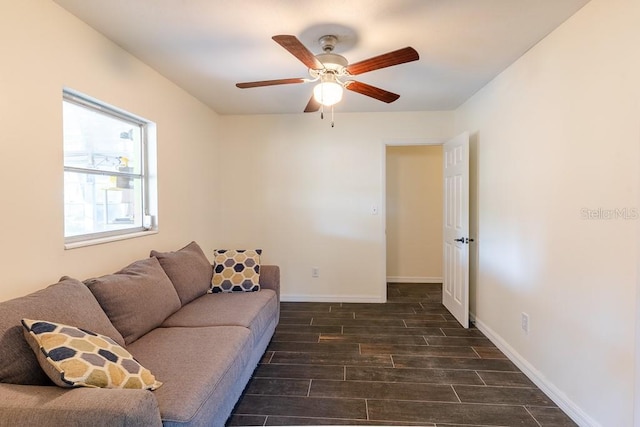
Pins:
x,y
253,310
68,301
200,368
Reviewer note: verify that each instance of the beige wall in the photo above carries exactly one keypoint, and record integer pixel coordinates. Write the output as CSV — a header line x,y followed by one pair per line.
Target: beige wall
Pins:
x,y
557,133
414,213
304,192
44,49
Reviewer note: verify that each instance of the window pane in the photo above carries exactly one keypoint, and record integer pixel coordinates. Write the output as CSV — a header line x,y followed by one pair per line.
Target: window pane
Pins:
x,y
100,203
93,140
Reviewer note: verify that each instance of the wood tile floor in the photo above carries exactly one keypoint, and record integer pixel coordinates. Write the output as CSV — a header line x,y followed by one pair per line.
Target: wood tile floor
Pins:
x,y
406,362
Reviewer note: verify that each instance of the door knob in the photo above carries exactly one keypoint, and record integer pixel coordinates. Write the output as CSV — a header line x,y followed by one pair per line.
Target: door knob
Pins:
x,y
463,240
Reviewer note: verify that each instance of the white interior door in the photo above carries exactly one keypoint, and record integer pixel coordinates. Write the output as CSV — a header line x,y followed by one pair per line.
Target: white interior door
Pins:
x,y
455,286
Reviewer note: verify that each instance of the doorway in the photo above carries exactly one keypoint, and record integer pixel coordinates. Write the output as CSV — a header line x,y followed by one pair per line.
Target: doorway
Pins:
x,y
414,209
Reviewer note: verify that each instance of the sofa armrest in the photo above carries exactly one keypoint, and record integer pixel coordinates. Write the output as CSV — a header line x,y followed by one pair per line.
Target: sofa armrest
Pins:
x,y
270,278
29,405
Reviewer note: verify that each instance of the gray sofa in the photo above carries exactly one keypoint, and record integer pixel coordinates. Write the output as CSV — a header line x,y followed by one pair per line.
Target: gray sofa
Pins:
x,y
202,346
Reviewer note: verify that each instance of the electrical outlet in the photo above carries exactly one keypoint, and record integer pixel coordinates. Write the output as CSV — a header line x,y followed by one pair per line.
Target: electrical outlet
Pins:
x,y
315,272
524,322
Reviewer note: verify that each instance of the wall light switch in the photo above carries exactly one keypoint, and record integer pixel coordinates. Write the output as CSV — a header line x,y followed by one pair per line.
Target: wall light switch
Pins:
x,y
524,322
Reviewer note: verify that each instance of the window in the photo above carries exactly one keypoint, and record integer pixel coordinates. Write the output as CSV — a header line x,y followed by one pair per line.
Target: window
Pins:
x,y
108,190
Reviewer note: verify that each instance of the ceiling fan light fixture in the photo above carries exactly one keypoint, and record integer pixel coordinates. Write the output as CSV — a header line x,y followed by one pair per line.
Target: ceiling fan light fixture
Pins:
x,y
328,92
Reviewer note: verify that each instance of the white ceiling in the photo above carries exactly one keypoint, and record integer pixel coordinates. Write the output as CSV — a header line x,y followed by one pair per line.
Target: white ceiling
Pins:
x,y
206,46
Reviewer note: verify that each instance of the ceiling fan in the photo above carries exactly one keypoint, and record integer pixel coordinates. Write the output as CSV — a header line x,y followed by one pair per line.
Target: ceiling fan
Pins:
x,y
331,70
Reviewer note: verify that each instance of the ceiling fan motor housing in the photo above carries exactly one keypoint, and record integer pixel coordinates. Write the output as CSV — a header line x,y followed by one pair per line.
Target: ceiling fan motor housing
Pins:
x,y
333,61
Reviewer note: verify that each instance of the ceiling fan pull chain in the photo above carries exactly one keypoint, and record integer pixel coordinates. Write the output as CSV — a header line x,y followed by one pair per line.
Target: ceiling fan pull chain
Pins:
x,y
321,112
332,124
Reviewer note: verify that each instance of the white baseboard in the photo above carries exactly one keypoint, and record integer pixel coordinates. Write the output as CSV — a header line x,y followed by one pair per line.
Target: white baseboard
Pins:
x,y
401,279
560,398
329,298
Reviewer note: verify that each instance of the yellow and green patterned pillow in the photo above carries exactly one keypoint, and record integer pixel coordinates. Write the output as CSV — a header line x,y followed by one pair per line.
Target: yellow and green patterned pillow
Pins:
x,y
74,357
236,270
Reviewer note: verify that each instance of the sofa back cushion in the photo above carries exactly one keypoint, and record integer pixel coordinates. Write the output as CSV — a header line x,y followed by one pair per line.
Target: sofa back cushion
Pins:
x,y
68,301
189,270
137,298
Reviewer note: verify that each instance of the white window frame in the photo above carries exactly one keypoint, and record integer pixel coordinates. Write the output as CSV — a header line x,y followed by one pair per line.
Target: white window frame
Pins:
x,y
147,175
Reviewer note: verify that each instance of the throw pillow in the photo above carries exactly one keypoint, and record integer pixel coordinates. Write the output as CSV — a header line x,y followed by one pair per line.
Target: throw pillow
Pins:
x,y
137,298
68,301
189,270
236,270
74,357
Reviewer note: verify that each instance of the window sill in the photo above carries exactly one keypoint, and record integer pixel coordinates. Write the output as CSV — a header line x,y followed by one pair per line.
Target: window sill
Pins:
x,y
102,240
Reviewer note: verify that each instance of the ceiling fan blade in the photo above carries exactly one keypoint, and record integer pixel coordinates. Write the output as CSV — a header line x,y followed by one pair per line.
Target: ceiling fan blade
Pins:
x,y
372,91
396,57
297,49
312,105
269,83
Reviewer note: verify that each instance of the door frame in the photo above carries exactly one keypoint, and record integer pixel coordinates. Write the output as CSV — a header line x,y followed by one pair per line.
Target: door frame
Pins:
x,y
393,142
